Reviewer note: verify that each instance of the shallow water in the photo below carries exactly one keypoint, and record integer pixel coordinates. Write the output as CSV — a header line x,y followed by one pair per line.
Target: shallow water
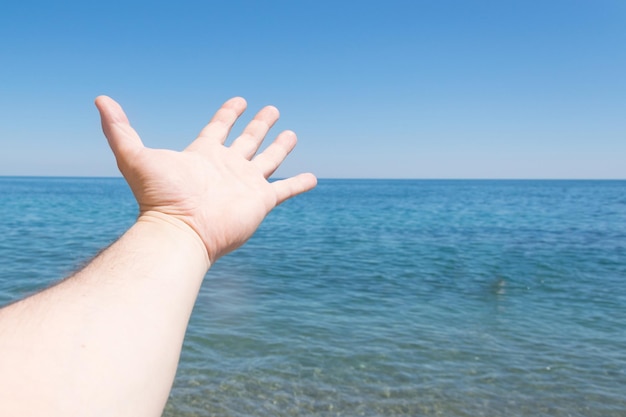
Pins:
x,y
378,298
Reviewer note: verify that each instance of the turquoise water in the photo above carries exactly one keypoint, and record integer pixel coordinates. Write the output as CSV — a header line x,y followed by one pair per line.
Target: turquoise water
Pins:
x,y
378,298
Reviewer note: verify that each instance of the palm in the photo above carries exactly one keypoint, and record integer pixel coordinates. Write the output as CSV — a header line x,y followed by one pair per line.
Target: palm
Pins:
x,y
220,192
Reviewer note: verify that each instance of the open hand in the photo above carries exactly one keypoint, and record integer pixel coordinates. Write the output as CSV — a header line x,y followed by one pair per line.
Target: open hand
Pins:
x,y
221,192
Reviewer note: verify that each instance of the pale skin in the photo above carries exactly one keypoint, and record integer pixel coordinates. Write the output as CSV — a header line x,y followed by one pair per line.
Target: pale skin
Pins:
x,y
106,341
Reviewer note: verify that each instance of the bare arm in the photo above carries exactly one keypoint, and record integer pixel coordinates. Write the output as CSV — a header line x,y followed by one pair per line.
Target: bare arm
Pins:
x,y
106,341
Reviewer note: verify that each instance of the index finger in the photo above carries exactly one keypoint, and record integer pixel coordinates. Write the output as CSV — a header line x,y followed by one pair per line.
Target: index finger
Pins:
x,y
218,128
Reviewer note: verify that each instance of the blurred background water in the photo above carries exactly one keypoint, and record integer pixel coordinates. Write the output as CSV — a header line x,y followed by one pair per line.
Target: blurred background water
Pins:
x,y
377,297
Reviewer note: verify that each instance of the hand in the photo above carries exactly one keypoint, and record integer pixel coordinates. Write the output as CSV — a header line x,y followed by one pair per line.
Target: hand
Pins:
x,y
220,192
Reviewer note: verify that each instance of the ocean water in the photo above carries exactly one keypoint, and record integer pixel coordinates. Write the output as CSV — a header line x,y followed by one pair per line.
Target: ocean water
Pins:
x,y
376,297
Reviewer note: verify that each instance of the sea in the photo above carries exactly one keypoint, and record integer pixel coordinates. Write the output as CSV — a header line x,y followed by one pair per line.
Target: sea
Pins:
x,y
377,297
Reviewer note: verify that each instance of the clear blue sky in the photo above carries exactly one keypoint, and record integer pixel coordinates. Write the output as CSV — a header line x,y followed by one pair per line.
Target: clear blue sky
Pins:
x,y
410,89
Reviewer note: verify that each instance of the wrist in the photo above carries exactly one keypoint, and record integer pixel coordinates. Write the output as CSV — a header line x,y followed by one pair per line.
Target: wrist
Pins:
x,y
176,230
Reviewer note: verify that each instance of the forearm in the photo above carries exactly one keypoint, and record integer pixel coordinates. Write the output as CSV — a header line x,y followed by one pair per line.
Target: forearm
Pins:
x,y
105,341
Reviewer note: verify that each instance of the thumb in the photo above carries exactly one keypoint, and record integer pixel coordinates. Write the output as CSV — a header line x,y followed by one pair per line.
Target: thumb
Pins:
x,y
123,139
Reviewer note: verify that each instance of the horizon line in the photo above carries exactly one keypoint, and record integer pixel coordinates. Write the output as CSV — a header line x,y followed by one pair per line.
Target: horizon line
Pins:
x,y
352,178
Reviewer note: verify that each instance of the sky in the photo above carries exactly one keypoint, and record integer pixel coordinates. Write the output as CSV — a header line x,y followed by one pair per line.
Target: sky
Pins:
x,y
374,89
